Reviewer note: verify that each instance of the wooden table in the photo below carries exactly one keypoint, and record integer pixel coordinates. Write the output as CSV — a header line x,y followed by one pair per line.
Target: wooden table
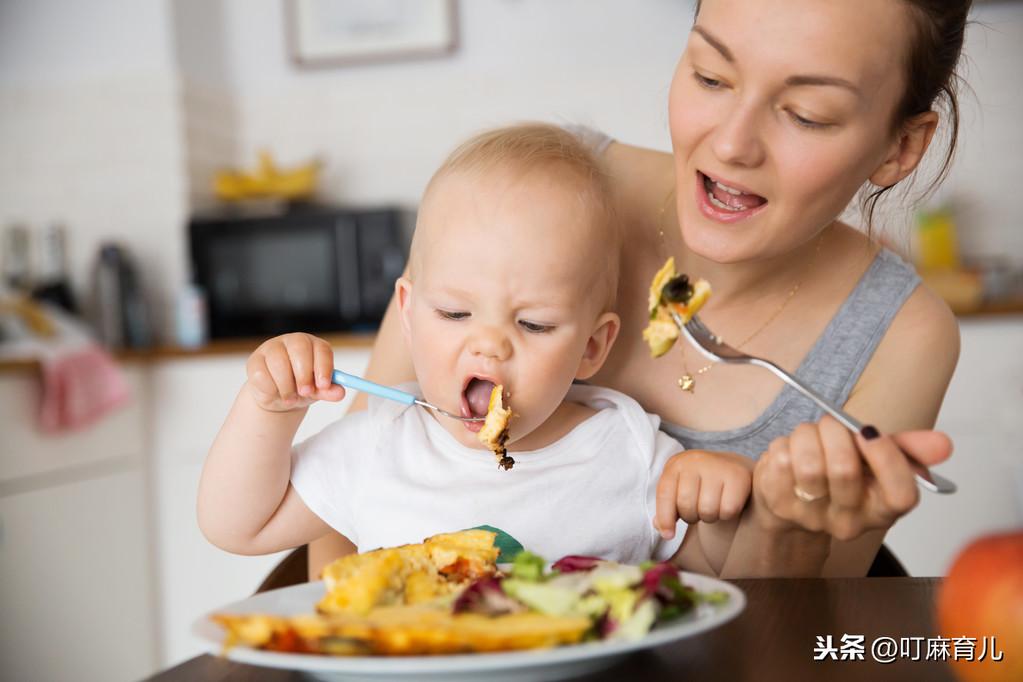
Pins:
x,y
772,639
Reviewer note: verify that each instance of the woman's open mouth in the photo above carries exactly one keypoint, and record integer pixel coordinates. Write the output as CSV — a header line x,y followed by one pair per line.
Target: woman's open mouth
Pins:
x,y
476,400
724,203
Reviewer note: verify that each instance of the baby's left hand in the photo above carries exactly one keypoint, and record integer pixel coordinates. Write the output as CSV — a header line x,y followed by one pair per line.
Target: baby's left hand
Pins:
x,y
702,486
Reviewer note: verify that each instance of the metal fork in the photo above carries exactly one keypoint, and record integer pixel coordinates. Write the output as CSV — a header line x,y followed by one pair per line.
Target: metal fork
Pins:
x,y
717,350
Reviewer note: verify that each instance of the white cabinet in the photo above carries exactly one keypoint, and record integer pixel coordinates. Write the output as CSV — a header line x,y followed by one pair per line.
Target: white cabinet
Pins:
x,y
76,599
75,596
983,413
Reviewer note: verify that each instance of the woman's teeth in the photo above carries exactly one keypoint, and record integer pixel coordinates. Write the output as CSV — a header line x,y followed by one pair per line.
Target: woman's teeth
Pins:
x,y
730,190
709,186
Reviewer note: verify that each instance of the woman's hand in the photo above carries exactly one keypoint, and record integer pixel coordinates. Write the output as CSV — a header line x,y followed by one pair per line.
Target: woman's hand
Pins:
x,y
824,479
702,486
290,372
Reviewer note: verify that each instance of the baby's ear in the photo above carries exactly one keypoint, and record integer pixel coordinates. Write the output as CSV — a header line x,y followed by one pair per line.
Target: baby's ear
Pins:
x,y
403,292
605,331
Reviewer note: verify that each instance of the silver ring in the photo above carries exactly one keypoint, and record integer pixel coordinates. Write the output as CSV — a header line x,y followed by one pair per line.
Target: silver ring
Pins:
x,y
805,496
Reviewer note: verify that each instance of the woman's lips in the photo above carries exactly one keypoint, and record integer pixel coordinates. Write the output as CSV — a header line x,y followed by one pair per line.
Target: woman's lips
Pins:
x,y
722,215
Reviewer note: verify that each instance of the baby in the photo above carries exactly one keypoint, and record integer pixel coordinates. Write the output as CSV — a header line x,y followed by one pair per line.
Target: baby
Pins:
x,y
512,281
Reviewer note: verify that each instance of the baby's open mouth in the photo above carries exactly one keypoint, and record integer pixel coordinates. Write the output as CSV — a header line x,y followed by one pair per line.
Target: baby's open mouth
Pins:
x,y
476,397
729,198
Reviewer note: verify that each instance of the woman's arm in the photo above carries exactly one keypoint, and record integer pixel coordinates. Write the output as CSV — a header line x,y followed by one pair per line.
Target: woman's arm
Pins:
x,y
389,363
901,389
866,485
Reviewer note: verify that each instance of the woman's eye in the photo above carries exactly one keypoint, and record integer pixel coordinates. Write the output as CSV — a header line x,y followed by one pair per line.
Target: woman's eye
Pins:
x,y
452,314
534,328
806,122
705,82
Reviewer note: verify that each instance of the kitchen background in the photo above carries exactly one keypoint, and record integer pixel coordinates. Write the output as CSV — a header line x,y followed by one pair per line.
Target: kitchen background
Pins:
x,y
115,116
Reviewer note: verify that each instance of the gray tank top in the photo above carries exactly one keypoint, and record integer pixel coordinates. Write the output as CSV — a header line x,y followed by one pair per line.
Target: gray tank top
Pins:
x,y
832,366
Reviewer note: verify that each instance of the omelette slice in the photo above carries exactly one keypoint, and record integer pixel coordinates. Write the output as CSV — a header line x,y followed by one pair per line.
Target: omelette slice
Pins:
x,y
401,631
671,292
432,572
494,433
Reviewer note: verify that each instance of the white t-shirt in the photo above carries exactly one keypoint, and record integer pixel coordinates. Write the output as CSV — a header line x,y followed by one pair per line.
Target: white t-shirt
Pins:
x,y
392,475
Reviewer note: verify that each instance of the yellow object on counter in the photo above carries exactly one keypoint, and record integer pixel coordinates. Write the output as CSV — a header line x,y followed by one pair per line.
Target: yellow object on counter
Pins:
x,y
32,315
267,181
938,247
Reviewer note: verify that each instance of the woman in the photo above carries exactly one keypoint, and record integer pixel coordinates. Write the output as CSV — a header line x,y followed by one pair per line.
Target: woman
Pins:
x,y
780,111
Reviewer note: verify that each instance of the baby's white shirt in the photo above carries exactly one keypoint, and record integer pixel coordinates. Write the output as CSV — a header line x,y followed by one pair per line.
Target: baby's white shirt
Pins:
x,y
392,475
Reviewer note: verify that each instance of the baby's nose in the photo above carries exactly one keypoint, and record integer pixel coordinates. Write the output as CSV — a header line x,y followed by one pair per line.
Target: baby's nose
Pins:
x,y
490,342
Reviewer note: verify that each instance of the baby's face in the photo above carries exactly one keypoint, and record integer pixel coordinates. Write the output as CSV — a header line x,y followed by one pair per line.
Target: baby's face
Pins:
x,y
502,292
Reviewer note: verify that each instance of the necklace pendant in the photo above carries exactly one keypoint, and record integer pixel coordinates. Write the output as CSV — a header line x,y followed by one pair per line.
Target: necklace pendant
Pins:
x,y
687,383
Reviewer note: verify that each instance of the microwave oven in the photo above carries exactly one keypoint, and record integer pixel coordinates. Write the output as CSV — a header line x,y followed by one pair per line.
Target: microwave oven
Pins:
x,y
315,269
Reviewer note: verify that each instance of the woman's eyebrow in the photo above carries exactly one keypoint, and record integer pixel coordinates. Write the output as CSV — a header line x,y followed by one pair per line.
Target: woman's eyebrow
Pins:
x,y
793,81
822,80
714,42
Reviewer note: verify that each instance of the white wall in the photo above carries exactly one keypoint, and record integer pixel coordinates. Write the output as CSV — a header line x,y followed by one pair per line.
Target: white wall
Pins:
x,y
90,130
383,128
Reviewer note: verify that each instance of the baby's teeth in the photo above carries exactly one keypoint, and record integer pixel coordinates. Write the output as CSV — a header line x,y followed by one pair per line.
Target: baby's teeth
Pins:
x,y
727,188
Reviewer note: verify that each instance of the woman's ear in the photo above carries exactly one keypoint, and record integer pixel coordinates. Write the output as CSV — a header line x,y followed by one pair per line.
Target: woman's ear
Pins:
x,y
906,150
599,345
403,292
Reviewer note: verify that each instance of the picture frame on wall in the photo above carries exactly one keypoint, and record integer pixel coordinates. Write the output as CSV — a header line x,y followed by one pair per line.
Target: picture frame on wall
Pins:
x,y
326,33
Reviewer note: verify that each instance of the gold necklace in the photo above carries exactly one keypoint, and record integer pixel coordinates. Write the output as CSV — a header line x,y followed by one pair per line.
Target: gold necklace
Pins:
x,y
687,382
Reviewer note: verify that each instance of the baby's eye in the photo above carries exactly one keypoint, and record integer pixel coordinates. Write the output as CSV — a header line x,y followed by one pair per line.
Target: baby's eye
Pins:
x,y
453,314
534,327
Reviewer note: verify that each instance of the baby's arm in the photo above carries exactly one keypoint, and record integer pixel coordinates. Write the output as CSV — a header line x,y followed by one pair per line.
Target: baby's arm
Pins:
x,y
246,504
707,490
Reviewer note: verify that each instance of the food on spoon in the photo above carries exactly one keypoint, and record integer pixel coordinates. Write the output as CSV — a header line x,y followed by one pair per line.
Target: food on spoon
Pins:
x,y
494,433
435,570
671,292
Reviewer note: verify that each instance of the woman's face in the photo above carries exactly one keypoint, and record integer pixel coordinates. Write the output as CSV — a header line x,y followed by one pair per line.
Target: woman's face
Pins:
x,y
779,111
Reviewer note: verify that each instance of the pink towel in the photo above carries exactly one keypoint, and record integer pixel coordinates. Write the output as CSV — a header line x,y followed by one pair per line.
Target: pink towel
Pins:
x,y
80,385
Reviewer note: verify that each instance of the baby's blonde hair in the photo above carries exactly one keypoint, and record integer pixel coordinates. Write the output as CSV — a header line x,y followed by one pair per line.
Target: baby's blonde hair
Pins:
x,y
528,147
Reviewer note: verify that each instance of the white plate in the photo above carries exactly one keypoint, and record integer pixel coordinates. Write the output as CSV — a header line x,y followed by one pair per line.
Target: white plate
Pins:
x,y
537,664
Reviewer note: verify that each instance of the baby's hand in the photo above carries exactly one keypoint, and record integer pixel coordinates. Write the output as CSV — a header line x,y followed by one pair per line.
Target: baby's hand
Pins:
x,y
702,486
290,372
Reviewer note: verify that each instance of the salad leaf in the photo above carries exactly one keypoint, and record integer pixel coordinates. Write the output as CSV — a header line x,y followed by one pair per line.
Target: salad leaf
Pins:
x,y
486,596
575,562
639,623
549,598
527,566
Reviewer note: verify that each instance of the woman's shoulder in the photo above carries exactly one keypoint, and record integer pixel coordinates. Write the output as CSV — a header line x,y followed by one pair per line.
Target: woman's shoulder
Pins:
x,y
925,325
914,361
641,174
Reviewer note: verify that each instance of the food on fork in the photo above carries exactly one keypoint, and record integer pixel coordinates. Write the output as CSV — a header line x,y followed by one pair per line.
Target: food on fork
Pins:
x,y
494,433
671,292
434,570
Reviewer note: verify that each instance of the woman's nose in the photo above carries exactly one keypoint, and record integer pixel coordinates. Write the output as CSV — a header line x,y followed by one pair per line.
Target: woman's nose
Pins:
x,y
737,140
490,342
